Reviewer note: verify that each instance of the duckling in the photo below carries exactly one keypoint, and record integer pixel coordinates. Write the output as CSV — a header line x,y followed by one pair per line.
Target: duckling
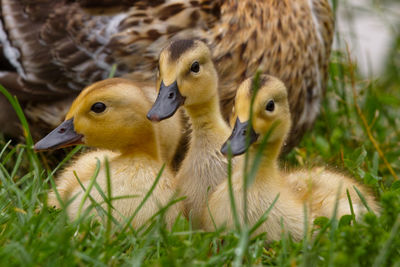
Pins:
x,y
111,116
59,47
317,188
188,78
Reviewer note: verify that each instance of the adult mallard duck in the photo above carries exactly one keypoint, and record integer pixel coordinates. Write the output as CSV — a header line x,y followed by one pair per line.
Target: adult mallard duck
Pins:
x,y
58,46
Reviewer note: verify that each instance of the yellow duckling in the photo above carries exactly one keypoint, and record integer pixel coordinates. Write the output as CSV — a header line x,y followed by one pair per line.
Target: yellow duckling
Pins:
x,y
111,115
187,77
316,188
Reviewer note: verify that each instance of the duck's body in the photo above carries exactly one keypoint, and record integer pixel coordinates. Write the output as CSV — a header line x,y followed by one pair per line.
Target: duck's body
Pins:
x,y
261,195
204,166
318,190
131,178
188,78
111,115
74,46
321,188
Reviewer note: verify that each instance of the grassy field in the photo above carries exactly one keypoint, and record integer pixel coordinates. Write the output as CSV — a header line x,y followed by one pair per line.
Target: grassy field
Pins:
x,y
358,132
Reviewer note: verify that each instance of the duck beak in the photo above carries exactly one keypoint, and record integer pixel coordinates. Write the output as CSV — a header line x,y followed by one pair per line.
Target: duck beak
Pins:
x,y
237,140
169,99
62,136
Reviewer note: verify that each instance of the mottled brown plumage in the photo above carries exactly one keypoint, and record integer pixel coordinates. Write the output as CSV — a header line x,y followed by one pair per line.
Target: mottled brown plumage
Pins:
x,y
58,47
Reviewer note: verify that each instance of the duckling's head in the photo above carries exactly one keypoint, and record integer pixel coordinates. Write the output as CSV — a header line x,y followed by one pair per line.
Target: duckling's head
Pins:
x,y
187,76
109,114
270,115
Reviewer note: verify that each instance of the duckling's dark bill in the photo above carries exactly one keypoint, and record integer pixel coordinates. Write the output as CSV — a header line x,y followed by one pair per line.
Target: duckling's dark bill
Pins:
x,y
237,140
62,136
169,99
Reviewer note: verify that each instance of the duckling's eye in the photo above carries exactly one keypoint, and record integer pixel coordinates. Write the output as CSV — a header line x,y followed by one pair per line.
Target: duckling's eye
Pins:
x,y
98,107
195,67
270,106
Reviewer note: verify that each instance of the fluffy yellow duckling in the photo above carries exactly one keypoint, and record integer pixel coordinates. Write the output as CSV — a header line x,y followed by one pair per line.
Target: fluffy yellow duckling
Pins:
x,y
111,115
317,188
187,77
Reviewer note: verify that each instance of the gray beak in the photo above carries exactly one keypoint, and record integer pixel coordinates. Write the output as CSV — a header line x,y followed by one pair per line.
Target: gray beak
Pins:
x,y
237,140
62,136
169,99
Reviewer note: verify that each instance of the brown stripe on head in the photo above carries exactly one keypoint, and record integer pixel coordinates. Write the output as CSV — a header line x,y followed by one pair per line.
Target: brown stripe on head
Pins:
x,y
177,48
262,80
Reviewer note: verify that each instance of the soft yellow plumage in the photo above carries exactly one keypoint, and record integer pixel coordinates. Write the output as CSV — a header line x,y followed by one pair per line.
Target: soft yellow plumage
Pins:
x,y
188,77
317,189
111,115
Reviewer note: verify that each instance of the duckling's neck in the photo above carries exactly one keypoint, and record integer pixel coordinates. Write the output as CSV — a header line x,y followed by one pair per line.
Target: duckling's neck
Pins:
x,y
269,168
148,147
206,117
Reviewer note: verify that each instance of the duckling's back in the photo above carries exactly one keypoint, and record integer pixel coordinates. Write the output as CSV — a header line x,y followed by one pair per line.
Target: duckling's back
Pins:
x,y
322,189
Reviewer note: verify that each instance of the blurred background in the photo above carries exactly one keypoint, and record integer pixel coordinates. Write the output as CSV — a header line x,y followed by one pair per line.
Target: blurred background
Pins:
x,y
371,29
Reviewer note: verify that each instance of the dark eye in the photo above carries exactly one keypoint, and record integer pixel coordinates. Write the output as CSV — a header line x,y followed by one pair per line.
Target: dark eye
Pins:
x,y
98,107
270,106
195,67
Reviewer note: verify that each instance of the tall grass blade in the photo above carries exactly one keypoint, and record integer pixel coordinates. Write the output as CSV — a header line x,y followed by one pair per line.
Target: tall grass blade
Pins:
x,y
28,138
363,200
259,154
109,196
264,217
384,252
255,88
63,161
209,211
351,205
112,71
306,253
242,248
89,189
334,226
17,162
231,194
146,197
4,148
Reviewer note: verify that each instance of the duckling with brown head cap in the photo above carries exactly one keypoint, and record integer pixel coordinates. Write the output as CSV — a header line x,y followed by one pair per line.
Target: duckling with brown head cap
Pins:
x,y
187,77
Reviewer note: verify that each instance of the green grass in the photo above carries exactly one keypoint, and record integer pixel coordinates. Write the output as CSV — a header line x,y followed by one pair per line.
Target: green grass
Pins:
x,y
357,133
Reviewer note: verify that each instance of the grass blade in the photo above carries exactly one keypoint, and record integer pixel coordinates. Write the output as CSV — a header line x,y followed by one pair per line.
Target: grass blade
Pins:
x,y
231,194
363,200
351,205
264,217
146,197
88,190
384,252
